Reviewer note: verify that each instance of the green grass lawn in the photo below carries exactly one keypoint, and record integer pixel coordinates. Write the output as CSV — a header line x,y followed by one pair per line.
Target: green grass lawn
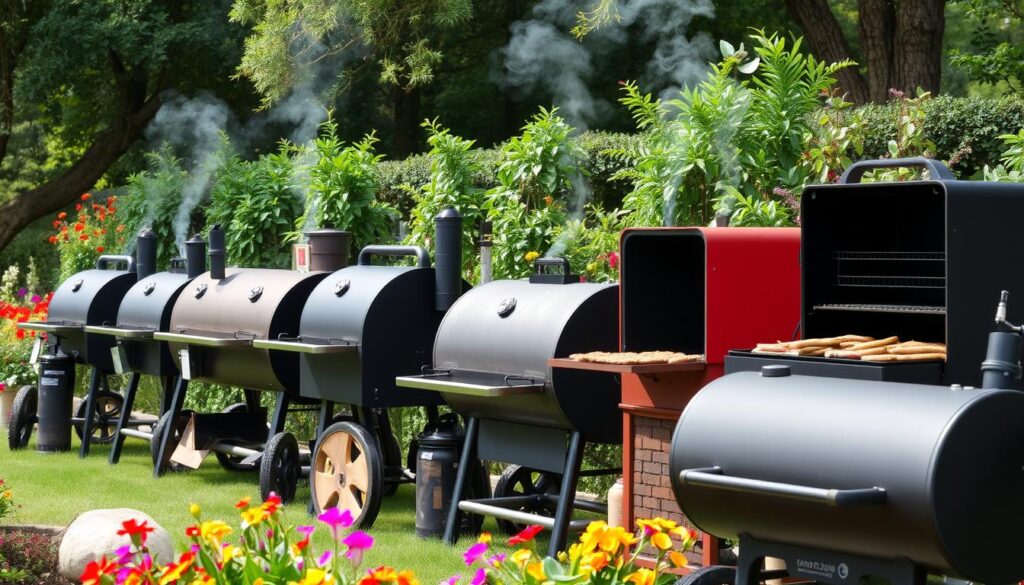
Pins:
x,y
54,488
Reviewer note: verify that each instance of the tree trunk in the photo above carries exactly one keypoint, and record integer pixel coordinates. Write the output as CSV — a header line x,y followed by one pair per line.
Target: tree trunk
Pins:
x,y
920,25
26,207
406,120
877,26
826,39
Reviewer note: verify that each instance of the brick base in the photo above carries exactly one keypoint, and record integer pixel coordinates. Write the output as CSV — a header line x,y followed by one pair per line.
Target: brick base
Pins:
x,y
652,440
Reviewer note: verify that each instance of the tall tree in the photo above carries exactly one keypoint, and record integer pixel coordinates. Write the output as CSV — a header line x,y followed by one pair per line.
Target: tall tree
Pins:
x,y
82,79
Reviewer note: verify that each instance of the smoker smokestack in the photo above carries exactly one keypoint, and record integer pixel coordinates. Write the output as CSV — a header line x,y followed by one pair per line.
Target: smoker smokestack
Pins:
x,y
195,256
217,252
447,258
145,250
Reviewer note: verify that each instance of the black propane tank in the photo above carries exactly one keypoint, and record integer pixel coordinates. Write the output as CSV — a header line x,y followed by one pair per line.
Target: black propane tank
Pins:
x,y
56,394
436,465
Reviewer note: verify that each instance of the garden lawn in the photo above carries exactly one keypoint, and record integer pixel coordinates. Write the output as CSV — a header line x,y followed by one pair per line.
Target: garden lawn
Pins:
x,y
54,488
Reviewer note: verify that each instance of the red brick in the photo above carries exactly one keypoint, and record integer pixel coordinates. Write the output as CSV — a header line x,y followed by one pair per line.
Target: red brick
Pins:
x,y
651,467
642,513
646,455
659,456
669,506
662,434
662,492
642,490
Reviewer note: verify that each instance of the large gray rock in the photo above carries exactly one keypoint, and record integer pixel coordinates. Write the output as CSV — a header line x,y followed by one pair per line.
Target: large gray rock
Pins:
x,y
94,534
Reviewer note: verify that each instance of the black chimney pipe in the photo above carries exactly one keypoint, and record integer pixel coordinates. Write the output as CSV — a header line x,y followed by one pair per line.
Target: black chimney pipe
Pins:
x,y
145,251
447,258
195,256
217,252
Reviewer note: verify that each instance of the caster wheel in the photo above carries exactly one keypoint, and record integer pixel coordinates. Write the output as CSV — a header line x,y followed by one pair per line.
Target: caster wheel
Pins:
x,y
522,481
713,575
164,426
23,417
234,462
104,420
280,467
347,472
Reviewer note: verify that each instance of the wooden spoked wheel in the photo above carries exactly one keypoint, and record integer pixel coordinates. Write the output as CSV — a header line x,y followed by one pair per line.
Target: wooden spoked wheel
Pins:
x,y
104,419
347,472
517,480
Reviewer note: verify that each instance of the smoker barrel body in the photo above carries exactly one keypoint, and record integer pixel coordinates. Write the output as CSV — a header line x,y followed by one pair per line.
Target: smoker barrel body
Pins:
x,y
513,327
388,313
949,462
90,297
247,304
147,306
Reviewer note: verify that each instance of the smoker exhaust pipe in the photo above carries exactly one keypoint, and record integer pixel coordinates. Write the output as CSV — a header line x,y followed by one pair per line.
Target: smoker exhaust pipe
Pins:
x,y
145,250
447,258
195,256
217,252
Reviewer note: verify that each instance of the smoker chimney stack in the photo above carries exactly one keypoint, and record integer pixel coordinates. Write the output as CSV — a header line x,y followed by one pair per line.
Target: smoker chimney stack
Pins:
x,y
447,258
195,256
145,250
217,252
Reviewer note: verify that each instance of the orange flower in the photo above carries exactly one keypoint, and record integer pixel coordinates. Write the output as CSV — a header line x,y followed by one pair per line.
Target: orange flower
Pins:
x,y
79,226
62,215
243,503
56,224
86,196
100,249
53,239
84,238
78,207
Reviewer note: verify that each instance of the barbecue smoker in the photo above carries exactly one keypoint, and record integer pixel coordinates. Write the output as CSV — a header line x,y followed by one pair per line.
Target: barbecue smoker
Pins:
x,y
848,479
491,365
145,310
914,259
213,325
726,288
91,297
361,327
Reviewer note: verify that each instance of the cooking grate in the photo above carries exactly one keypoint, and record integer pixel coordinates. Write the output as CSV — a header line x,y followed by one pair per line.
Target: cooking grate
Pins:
x,y
880,308
862,269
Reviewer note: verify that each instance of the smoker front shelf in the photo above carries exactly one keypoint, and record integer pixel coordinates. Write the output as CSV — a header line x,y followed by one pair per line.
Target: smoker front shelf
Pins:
x,y
202,340
628,368
55,328
479,384
301,347
121,332
877,308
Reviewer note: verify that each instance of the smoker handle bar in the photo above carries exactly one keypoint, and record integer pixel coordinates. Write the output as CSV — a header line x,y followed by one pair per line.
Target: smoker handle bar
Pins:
x,y
422,256
106,261
299,347
713,477
937,170
55,328
202,340
120,332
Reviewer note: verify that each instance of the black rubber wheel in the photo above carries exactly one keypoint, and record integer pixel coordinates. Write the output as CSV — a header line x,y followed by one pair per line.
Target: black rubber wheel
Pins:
x,y
104,420
479,488
392,452
347,471
713,575
280,467
234,462
410,457
517,480
23,417
162,426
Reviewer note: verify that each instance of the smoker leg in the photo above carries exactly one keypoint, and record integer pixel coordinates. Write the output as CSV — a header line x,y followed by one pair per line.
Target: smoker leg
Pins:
x,y
280,414
467,462
252,400
166,393
177,401
750,561
323,421
567,494
95,382
126,414
432,414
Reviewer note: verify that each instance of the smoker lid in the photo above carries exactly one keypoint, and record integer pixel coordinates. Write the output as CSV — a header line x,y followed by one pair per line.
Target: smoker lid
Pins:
x,y
148,304
74,301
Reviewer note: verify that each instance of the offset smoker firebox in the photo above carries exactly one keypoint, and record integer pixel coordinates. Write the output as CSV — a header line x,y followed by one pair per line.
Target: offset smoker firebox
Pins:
x,y
920,260
491,365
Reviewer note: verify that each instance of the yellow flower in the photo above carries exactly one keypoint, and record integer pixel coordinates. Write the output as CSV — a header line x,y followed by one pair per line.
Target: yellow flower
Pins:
x,y
214,531
258,581
642,577
202,579
253,516
314,577
591,266
521,556
594,562
195,510
6,495
607,538
407,577
485,537
531,256
662,541
229,552
384,574
678,559
657,525
536,570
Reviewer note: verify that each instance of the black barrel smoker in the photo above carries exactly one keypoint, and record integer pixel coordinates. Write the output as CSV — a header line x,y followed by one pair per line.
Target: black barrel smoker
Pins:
x,y
213,326
850,479
90,297
146,309
362,327
491,365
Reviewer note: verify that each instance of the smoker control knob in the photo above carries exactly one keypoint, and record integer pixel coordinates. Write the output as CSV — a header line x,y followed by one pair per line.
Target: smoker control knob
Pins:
x,y
506,307
77,285
150,287
341,287
255,294
775,371
200,290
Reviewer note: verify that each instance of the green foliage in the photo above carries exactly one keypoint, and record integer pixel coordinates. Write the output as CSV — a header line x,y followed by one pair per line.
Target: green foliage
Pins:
x,y
995,55
341,189
451,183
255,203
153,198
1011,169
836,141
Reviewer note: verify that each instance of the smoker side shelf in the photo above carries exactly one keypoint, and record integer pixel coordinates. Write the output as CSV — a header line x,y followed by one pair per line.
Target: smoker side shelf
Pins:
x,y
202,340
877,308
300,347
55,328
626,368
122,332
466,386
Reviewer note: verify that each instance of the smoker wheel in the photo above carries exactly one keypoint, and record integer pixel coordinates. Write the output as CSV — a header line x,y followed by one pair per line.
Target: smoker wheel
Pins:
x,y
517,480
233,462
347,471
23,417
104,420
392,452
713,575
479,489
279,467
162,426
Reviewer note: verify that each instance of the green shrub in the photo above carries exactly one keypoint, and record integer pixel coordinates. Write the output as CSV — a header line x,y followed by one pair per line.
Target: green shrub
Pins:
x,y
153,199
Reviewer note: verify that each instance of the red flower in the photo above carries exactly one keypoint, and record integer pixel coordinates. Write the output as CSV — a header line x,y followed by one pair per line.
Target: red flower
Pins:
x,y
78,207
528,534
94,571
86,196
613,259
79,226
62,215
56,224
84,238
133,529
192,531
100,249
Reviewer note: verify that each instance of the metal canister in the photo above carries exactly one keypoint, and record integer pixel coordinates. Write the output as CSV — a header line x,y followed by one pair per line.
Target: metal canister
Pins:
x,y
56,394
436,466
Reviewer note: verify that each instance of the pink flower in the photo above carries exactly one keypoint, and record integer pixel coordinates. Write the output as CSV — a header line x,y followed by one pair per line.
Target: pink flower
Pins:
x,y
480,578
335,519
358,542
305,531
496,560
613,259
474,553
451,580
123,554
325,558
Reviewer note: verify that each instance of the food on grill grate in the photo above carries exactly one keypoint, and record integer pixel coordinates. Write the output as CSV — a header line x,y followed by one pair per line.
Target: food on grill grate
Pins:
x,y
631,358
857,347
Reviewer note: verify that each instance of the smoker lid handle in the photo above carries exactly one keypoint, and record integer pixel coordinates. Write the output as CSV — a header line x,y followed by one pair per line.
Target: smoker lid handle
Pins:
x,y
107,260
367,253
713,477
936,169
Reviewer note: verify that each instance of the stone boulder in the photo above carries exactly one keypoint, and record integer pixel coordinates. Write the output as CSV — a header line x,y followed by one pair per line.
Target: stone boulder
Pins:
x,y
94,534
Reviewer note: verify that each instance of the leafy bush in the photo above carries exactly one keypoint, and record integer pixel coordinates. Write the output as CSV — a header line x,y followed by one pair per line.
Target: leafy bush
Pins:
x,y
27,558
153,199
16,344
